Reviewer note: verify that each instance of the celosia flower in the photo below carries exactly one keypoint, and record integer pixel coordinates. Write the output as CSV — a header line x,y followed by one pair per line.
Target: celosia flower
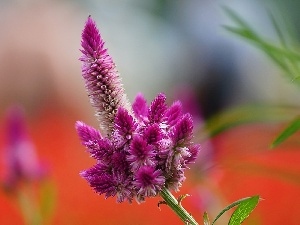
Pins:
x,y
101,78
21,159
145,148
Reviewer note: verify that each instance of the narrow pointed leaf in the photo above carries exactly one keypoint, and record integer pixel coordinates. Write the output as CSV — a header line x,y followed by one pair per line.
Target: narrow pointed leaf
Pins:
x,y
293,127
247,114
281,54
237,19
277,29
236,203
243,210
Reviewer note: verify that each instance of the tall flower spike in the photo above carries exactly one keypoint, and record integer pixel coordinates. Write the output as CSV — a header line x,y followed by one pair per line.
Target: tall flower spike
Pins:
x,y
101,78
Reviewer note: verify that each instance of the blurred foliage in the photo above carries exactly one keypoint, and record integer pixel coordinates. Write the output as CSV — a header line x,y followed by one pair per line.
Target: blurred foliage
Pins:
x,y
282,54
290,130
247,114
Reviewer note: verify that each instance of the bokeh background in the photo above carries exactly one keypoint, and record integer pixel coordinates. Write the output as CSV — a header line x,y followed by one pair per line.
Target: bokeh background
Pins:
x,y
176,47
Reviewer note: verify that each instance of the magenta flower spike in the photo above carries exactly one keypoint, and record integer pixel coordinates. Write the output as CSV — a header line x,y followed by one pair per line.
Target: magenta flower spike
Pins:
x,y
145,149
102,80
21,160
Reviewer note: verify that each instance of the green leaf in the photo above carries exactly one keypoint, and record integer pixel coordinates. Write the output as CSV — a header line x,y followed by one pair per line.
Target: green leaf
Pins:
x,y
247,114
287,132
278,30
238,20
287,59
206,219
244,209
245,203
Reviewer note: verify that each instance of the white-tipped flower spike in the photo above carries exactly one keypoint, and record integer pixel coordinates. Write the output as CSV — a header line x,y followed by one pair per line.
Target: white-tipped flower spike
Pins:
x,y
101,78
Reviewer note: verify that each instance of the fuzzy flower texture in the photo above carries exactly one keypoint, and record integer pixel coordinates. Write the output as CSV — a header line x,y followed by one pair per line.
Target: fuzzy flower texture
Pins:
x,y
140,149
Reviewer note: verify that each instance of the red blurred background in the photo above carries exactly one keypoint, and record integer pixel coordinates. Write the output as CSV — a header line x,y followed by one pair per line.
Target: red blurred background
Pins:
x,y
163,46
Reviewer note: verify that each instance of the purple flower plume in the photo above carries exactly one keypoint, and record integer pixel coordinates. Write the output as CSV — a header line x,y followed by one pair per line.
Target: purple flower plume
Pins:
x,y
21,160
140,107
144,148
101,78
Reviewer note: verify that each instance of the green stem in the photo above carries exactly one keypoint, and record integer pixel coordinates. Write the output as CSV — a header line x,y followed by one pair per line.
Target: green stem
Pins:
x,y
177,207
28,207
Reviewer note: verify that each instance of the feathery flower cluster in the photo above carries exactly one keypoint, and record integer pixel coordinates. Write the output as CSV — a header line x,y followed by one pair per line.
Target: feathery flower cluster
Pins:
x,y
102,80
146,147
21,160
